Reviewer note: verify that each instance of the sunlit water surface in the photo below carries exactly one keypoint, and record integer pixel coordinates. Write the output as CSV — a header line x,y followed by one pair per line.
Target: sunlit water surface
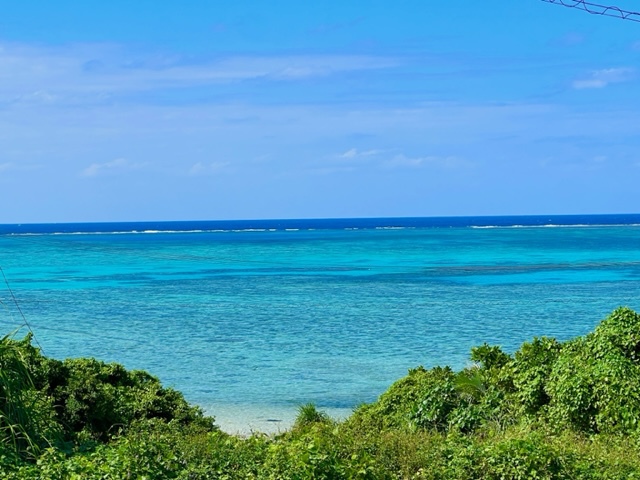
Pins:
x,y
251,320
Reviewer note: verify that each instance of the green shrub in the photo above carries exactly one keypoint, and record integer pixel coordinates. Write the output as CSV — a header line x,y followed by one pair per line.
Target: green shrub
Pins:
x,y
308,414
551,410
530,370
396,408
594,385
96,399
528,458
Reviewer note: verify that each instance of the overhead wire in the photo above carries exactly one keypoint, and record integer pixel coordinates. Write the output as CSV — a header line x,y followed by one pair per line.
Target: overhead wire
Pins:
x,y
24,318
598,9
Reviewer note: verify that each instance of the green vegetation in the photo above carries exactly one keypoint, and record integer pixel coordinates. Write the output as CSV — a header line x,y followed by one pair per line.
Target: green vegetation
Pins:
x,y
552,410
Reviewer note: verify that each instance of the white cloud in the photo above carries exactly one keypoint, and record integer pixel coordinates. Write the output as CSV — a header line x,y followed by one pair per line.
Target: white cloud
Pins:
x,y
604,77
376,159
330,170
449,162
355,153
38,97
19,167
114,166
201,168
79,73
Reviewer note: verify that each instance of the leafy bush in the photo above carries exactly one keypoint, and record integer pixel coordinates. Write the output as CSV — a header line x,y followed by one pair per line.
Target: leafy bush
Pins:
x,y
45,401
530,370
594,385
551,410
96,399
396,408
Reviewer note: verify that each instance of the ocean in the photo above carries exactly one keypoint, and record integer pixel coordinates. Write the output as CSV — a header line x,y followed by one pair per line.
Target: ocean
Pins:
x,y
251,319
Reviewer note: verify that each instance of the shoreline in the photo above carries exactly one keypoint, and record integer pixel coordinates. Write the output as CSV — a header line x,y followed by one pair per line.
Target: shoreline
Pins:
x,y
245,420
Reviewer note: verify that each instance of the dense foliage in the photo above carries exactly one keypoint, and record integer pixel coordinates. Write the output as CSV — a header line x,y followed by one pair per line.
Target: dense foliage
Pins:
x,y
550,410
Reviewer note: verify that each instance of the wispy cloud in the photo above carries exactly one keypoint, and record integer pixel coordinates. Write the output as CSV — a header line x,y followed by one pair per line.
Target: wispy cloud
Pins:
x,y
330,170
448,162
604,77
201,168
114,166
354,159
81,72
19,167
355,153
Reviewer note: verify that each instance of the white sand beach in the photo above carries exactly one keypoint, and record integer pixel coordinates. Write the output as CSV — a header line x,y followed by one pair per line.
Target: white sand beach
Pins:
x,y
244,420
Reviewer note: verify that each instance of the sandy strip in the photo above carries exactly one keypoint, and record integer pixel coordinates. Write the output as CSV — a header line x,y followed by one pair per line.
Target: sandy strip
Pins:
x,y
247,419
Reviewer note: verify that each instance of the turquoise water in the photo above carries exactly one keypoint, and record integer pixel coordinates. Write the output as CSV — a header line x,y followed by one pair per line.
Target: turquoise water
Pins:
x,y
252,323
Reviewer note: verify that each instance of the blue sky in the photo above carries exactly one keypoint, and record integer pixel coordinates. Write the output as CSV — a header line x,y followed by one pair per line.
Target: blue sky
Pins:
x,y
115,111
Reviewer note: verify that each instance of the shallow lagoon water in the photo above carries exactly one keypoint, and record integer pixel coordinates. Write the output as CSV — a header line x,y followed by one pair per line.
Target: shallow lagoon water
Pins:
x,y
251,320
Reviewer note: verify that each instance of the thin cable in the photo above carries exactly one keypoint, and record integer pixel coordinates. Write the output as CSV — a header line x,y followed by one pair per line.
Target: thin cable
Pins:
x,y
597,9
24,319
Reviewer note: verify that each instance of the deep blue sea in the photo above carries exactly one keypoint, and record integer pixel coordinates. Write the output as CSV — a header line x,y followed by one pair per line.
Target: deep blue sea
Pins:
x,y
251,319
